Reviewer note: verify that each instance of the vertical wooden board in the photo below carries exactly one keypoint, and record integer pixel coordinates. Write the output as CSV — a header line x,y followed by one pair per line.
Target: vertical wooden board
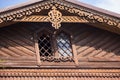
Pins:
x,y
37,52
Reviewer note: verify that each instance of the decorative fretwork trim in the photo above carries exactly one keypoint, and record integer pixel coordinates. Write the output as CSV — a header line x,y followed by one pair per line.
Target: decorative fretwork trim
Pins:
x,y
54,59
35,18
60,73
62,5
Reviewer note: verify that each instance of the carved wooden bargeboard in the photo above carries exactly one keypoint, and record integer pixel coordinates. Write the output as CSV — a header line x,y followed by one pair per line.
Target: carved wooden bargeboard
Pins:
x,y
57,40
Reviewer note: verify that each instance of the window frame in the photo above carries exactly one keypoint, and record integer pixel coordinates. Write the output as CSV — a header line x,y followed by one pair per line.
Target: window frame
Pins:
x,y
55,49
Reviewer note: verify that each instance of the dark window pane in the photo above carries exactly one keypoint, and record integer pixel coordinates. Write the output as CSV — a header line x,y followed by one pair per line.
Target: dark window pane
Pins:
x,y
45,45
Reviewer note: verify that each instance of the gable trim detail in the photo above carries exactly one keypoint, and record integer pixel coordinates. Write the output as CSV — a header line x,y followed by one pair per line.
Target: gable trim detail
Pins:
x,y
83,13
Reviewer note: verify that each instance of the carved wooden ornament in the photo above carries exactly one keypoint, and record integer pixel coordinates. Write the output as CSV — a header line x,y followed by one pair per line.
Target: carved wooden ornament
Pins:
x,y
55,17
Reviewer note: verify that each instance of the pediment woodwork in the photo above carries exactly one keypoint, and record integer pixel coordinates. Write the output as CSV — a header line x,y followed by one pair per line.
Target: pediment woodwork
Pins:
x,y
65,19
55,17
81,12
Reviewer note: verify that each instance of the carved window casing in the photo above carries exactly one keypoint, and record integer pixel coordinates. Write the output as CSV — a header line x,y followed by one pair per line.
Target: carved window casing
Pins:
x,y
54,47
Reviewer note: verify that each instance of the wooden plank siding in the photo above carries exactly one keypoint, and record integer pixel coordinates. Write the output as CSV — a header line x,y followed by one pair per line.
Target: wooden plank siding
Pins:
x,y
93,46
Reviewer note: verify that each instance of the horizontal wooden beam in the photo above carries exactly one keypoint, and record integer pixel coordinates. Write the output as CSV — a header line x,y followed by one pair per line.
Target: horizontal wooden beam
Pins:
x,y
60,72
67,19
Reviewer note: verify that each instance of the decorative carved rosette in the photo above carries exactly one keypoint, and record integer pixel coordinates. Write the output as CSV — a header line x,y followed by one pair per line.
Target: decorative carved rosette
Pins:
x,y
55,17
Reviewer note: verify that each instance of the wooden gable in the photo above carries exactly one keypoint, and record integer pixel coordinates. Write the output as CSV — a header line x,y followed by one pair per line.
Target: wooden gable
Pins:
x,y
94,40
76,13
88,45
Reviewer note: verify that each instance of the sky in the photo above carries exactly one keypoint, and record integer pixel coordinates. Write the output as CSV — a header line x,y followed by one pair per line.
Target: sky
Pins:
x,y
111,5
6,3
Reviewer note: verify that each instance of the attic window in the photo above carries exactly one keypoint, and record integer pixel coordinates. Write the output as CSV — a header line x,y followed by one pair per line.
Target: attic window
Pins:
x,y
54,46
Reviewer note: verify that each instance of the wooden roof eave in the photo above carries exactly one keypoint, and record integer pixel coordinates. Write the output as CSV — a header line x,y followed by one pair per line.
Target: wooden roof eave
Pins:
x,y
75,4
96,9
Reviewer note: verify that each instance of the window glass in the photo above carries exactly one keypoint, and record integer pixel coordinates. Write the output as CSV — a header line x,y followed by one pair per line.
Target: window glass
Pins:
x,y
45,45
64,45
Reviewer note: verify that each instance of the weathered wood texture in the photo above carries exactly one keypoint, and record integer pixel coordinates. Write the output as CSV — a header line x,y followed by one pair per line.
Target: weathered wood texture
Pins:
x,y
56,78
59,74
95,47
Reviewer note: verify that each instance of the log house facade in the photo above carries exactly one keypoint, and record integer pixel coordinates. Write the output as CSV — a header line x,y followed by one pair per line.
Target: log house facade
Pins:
x,y
59,40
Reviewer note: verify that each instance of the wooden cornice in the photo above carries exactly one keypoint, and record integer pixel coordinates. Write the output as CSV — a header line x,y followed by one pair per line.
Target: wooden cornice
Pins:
x,y
60,72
